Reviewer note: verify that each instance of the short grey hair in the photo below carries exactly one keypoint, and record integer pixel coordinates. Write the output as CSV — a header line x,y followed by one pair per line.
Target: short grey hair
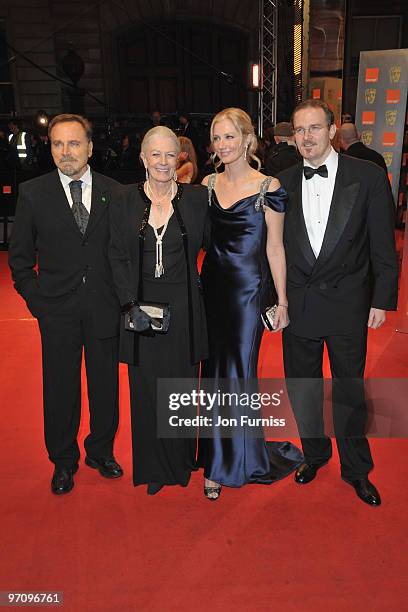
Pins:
x,y
163,132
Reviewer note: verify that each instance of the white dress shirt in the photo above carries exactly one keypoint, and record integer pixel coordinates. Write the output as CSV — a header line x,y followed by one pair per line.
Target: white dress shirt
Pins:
x,y
317,194
86,179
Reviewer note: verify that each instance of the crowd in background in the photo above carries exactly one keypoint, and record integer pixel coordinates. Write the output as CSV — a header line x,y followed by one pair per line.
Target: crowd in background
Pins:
x,y
117,146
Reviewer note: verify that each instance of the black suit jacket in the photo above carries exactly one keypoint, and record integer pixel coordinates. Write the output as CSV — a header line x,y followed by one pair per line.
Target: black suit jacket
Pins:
x,y
357,265
359,150
283,156
126,219
45,232
190,132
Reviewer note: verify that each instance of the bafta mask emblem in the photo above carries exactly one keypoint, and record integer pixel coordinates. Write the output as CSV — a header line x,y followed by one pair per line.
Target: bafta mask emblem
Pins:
x,y
370,95
388,158
367,137
395,74
391,118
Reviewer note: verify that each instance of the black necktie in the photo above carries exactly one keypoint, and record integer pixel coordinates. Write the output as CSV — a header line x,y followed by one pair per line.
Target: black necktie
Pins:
x,y
321,171
78,209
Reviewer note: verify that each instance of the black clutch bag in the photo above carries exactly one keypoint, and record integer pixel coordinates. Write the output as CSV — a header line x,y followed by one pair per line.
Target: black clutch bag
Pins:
x,y
157,311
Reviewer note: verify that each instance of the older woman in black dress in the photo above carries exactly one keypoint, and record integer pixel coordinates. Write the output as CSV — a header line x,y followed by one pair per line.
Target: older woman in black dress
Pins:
x,y
157,232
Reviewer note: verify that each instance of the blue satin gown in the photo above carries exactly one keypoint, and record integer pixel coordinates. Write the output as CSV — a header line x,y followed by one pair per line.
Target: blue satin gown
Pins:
x,y
235,278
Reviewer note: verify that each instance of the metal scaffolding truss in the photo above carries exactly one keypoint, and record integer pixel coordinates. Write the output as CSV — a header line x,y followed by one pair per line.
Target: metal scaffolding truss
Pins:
x,y
268,56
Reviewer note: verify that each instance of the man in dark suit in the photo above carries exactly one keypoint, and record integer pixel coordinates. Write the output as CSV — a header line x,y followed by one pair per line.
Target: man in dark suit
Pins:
x,y
342,277
61,224
351,145
187,129
285,154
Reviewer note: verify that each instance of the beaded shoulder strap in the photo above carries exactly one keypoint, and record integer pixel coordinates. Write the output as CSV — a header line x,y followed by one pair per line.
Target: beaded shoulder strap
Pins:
x,y
210,186
262,191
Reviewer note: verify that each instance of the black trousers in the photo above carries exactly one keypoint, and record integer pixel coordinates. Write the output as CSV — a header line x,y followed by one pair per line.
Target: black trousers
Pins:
x,y
65,334
303,360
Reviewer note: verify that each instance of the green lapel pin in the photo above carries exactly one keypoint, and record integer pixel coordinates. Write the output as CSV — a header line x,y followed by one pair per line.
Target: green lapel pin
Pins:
x,y
103,199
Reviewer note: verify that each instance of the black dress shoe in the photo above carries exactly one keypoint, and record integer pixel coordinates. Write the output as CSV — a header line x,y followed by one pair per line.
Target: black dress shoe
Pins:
x,y
153,488
107,466
63,480
307,472
366,491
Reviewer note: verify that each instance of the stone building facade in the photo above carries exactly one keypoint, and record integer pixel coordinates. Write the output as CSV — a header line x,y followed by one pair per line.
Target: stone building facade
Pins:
x,y
112,37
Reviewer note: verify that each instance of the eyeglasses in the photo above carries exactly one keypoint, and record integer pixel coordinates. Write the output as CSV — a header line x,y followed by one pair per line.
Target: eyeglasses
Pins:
x,y
313,129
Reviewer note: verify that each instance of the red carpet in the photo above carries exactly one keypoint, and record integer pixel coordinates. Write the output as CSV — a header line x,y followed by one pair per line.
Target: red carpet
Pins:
x,y
110,547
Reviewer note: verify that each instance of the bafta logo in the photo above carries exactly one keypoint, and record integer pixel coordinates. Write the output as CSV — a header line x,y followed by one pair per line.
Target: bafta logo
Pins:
x,y
390,118
370,96
395,74
367,137
388,158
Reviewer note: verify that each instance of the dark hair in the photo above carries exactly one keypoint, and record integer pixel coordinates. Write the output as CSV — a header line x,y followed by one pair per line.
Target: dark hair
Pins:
x,y
347,118
68,118
315,104
269,133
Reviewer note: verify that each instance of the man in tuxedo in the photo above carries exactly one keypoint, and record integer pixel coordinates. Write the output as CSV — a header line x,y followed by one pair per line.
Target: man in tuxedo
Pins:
x,y
342,277
61,225
351,145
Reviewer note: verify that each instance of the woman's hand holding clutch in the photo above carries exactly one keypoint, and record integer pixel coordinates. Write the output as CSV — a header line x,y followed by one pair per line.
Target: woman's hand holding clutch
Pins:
x,y
141,321
137,320
281,318
275,317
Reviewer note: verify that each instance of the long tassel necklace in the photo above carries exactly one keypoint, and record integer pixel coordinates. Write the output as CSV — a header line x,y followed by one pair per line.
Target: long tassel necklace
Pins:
x,y
158,201
159,267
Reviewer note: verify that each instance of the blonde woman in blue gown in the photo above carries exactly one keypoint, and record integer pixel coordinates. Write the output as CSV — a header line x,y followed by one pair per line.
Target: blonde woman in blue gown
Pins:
x,y
247,214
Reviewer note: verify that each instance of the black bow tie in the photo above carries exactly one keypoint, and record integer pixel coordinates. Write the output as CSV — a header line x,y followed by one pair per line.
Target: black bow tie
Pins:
x,y
309,172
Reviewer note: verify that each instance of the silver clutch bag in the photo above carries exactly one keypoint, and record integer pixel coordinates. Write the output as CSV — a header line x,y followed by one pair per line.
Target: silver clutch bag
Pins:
x,y
268,317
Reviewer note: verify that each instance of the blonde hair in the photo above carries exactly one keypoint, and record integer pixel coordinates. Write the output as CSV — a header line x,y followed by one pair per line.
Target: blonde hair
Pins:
x,y
163,132
243,124
186,146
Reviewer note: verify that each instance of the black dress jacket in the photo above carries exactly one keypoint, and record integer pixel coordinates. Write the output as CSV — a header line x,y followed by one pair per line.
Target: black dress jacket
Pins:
x,y
282,157
357,265
359,150
45,231
127,218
